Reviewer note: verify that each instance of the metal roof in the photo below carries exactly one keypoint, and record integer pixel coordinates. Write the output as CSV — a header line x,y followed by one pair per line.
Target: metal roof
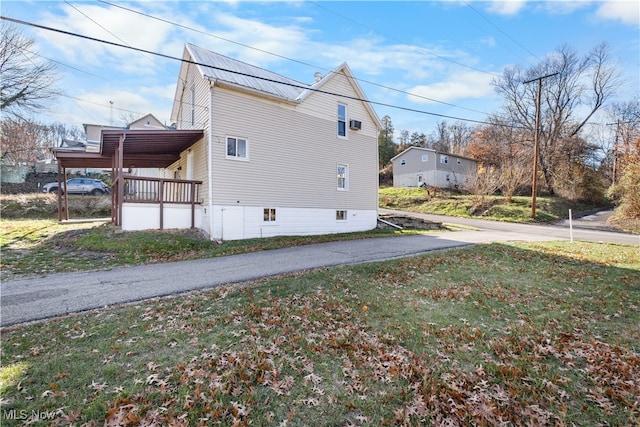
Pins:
x,y
232,71
142,149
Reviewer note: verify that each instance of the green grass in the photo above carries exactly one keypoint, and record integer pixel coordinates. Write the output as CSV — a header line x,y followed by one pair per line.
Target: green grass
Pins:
x,y
521,334
39,247
490,207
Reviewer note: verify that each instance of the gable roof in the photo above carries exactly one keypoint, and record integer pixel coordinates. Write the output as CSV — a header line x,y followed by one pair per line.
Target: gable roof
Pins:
x,y
146,122
226,71
430,150
231,71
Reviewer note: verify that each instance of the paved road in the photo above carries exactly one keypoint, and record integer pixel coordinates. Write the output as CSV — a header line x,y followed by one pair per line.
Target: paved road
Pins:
x,y
35,299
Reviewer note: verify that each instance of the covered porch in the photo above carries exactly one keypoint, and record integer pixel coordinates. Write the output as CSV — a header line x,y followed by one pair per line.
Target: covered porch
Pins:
x,y
158,200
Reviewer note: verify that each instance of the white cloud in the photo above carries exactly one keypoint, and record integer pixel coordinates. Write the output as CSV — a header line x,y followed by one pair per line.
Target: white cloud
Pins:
x,y
286,41
464,85
506,7
627,11
110,24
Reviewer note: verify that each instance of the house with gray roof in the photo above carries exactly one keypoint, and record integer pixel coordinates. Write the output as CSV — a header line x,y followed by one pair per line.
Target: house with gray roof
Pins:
x,y
419,167
278,156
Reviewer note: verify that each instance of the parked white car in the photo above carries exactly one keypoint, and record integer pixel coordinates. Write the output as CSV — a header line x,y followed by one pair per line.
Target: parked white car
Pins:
x,y
94,187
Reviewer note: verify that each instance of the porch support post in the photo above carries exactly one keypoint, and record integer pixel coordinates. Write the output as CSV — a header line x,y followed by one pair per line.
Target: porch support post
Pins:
x,y
59,193
193,204
161,196
120,172
114,198
65,193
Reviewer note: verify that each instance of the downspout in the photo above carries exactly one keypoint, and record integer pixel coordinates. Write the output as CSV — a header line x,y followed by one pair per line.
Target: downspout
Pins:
x,y
210,159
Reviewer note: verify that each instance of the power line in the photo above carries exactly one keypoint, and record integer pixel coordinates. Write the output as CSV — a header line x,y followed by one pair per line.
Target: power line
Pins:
x,y
300,86
498,28
444,58
166,21
92,20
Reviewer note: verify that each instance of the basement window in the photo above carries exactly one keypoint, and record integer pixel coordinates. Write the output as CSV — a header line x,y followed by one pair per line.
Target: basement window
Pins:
x,y
269,215
341,215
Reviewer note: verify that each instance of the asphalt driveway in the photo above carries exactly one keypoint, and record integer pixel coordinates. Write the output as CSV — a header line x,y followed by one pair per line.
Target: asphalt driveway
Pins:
x,y
33,299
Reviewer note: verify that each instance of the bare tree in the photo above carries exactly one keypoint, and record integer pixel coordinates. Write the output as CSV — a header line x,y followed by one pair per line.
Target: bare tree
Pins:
x,y
581,87
23,141
441,141
505,150
27,79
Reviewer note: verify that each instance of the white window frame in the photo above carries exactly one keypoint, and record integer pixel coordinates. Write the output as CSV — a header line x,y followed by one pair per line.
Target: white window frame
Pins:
x,y
269,215
425,157
341,120
341,215
236,156
444,159
344,180
403,162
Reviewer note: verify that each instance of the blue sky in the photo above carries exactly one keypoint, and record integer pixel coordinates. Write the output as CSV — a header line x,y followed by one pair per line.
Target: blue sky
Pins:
x,y
445,52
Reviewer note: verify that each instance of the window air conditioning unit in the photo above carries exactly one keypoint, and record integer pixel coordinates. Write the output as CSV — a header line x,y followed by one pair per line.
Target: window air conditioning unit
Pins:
x,y
355,124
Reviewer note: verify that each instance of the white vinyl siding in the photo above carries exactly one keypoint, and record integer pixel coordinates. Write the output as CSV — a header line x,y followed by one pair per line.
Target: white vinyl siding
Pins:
x,y
307,154
181,115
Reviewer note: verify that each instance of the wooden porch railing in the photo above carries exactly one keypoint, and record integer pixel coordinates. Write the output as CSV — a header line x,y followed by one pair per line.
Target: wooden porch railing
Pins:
x,y
160,191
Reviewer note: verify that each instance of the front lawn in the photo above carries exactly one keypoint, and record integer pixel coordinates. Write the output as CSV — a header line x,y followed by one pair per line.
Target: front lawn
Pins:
x,y
514,334
44,246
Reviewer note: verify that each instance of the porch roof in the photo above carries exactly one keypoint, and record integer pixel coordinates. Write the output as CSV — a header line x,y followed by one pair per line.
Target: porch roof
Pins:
x,y
141,149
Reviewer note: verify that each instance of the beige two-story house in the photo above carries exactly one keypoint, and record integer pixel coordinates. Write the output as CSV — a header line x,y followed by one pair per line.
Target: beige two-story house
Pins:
x,y
278,157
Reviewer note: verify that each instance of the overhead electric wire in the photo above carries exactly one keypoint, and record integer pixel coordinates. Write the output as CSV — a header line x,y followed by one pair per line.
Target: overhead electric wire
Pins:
x,y
92,20
499,29
444,58
166,21
43,27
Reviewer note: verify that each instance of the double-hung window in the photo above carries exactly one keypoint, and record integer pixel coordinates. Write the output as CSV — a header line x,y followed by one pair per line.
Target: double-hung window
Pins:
x,y
342,121
237,148
343,176
444,159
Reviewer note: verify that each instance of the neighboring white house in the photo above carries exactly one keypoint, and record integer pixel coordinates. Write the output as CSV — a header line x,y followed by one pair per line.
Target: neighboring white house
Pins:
x,y
417,166
278,157
93,135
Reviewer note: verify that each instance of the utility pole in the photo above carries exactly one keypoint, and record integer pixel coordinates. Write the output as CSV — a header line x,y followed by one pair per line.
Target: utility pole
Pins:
x,y
534,181
615,155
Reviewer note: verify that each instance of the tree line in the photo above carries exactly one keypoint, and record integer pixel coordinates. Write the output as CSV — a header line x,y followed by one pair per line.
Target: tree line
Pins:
x,y
577,158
